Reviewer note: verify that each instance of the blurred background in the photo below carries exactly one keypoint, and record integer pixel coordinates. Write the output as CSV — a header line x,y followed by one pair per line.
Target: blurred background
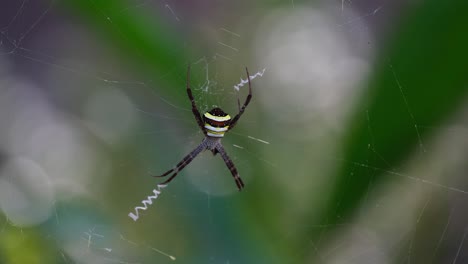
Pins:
x,y
353,149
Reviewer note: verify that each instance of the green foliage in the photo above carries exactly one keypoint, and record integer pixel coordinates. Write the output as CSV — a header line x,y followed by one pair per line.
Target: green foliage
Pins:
x,y
419,80
24,246
156,48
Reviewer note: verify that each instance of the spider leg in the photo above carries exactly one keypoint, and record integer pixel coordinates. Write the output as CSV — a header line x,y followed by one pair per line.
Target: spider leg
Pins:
x,y
195,111
231,166
184,162
246,103
166,173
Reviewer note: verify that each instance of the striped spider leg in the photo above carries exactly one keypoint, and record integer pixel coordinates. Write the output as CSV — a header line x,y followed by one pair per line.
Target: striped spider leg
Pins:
x,y
214,124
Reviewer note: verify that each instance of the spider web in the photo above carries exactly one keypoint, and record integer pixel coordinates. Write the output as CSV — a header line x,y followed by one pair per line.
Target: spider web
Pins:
x,y
83,129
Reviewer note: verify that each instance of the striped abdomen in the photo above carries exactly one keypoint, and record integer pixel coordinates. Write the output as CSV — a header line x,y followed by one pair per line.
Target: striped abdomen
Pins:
x,y
216,122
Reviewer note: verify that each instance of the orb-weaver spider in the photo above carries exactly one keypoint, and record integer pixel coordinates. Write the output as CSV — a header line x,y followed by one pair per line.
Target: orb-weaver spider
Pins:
x,y
213,124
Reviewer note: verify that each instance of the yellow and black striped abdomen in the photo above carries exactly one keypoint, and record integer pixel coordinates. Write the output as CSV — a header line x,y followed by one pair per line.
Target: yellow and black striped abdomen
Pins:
x,y
216,122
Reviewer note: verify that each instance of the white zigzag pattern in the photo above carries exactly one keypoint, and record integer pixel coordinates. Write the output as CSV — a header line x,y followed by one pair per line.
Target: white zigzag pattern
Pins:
x,y
239,85
146,202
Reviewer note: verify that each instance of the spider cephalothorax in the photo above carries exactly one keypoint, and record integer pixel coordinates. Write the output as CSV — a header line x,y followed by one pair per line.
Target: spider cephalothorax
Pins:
x,y
214,124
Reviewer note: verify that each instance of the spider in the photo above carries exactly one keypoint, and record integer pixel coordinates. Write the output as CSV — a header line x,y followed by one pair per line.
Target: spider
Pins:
x,y
213,124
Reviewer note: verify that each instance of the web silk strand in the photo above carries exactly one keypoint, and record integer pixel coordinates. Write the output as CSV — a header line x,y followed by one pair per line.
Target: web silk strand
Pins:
x,y
149,200
243,82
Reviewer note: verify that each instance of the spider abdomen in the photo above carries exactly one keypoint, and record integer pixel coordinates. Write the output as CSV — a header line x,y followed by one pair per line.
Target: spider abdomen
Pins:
x,y
215,131
216,122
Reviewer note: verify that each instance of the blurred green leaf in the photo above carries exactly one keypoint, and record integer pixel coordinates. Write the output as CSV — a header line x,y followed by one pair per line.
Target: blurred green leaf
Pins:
x,y
142,36
419,82
25,246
